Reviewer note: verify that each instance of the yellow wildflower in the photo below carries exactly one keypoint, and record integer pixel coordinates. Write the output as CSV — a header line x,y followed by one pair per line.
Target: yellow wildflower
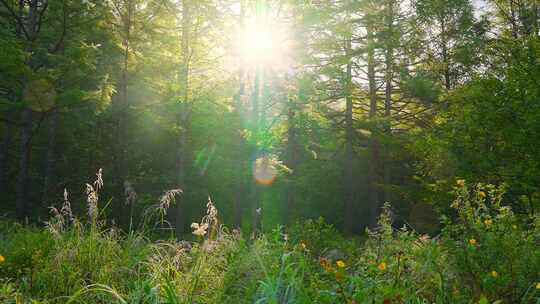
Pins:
x,y
382,266
460,182
488,222
303,245
2,259
494,274
472,242
482,194
325,264
340,264
538,285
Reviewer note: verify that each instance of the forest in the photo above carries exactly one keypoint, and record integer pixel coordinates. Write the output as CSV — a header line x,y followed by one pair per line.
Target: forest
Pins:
x,y
270,151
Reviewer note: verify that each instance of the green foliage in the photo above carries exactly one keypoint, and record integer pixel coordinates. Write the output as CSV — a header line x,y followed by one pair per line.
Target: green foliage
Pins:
x,y
12,59
423,87
485,254
373,101
80,260
285,285
488,130
23,249
400,265
493,250
319,236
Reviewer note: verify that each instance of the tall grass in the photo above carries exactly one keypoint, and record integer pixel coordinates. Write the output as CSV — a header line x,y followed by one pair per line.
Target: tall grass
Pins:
x,y
486,254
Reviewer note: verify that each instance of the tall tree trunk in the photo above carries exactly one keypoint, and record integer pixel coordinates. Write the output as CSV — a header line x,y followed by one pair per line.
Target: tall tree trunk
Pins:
x,y
239,195
54,119
4,156
255,121
291,162
349,138
22,204
374,204
184,141
241,167
389,76
120,112
184,168
50,165
239,142
444,52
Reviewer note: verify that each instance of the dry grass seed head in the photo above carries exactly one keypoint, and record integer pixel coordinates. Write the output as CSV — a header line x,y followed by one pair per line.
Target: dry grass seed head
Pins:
x,y
166,199
129,192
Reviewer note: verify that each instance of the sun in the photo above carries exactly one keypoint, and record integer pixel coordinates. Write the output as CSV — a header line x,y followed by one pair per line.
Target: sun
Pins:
x,y
261,43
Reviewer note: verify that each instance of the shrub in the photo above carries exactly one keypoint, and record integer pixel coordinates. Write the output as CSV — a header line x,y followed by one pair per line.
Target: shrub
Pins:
x,y
320,237
495,255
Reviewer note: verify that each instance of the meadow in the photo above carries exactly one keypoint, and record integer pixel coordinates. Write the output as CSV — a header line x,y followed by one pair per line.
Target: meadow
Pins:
x,y
483,254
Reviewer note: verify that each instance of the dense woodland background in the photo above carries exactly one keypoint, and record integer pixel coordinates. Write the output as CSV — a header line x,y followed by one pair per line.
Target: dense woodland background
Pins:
x,y
351,104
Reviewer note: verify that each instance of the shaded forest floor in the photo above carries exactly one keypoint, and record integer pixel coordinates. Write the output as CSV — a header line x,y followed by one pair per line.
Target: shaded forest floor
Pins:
x,y
484,254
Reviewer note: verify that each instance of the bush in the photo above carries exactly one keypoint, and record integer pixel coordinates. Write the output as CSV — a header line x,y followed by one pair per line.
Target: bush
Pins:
x,y
495,255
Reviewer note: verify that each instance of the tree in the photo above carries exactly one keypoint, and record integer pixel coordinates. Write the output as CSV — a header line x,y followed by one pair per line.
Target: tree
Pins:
x,y
448,25
27,19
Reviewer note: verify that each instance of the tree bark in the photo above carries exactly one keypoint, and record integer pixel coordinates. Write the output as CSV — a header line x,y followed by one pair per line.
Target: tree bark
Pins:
x,y
22,205
389,75
255,121
291,162
184,141
444,52
373,167
240,160
120,107
5,157
30,28
241,166
50,165
349,137
54,121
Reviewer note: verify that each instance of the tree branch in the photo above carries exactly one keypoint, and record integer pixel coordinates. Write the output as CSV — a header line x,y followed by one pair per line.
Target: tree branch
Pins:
x,y
18,20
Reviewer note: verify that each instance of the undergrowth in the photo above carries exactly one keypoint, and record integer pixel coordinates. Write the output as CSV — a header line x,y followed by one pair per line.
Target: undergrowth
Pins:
x,y
484,254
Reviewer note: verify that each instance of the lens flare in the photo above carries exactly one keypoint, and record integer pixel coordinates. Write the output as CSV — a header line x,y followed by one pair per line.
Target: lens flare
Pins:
x,y
260,42
264,172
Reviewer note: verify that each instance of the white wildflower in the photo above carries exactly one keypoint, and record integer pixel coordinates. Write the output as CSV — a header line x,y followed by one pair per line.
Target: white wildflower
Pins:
x,y
199,229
